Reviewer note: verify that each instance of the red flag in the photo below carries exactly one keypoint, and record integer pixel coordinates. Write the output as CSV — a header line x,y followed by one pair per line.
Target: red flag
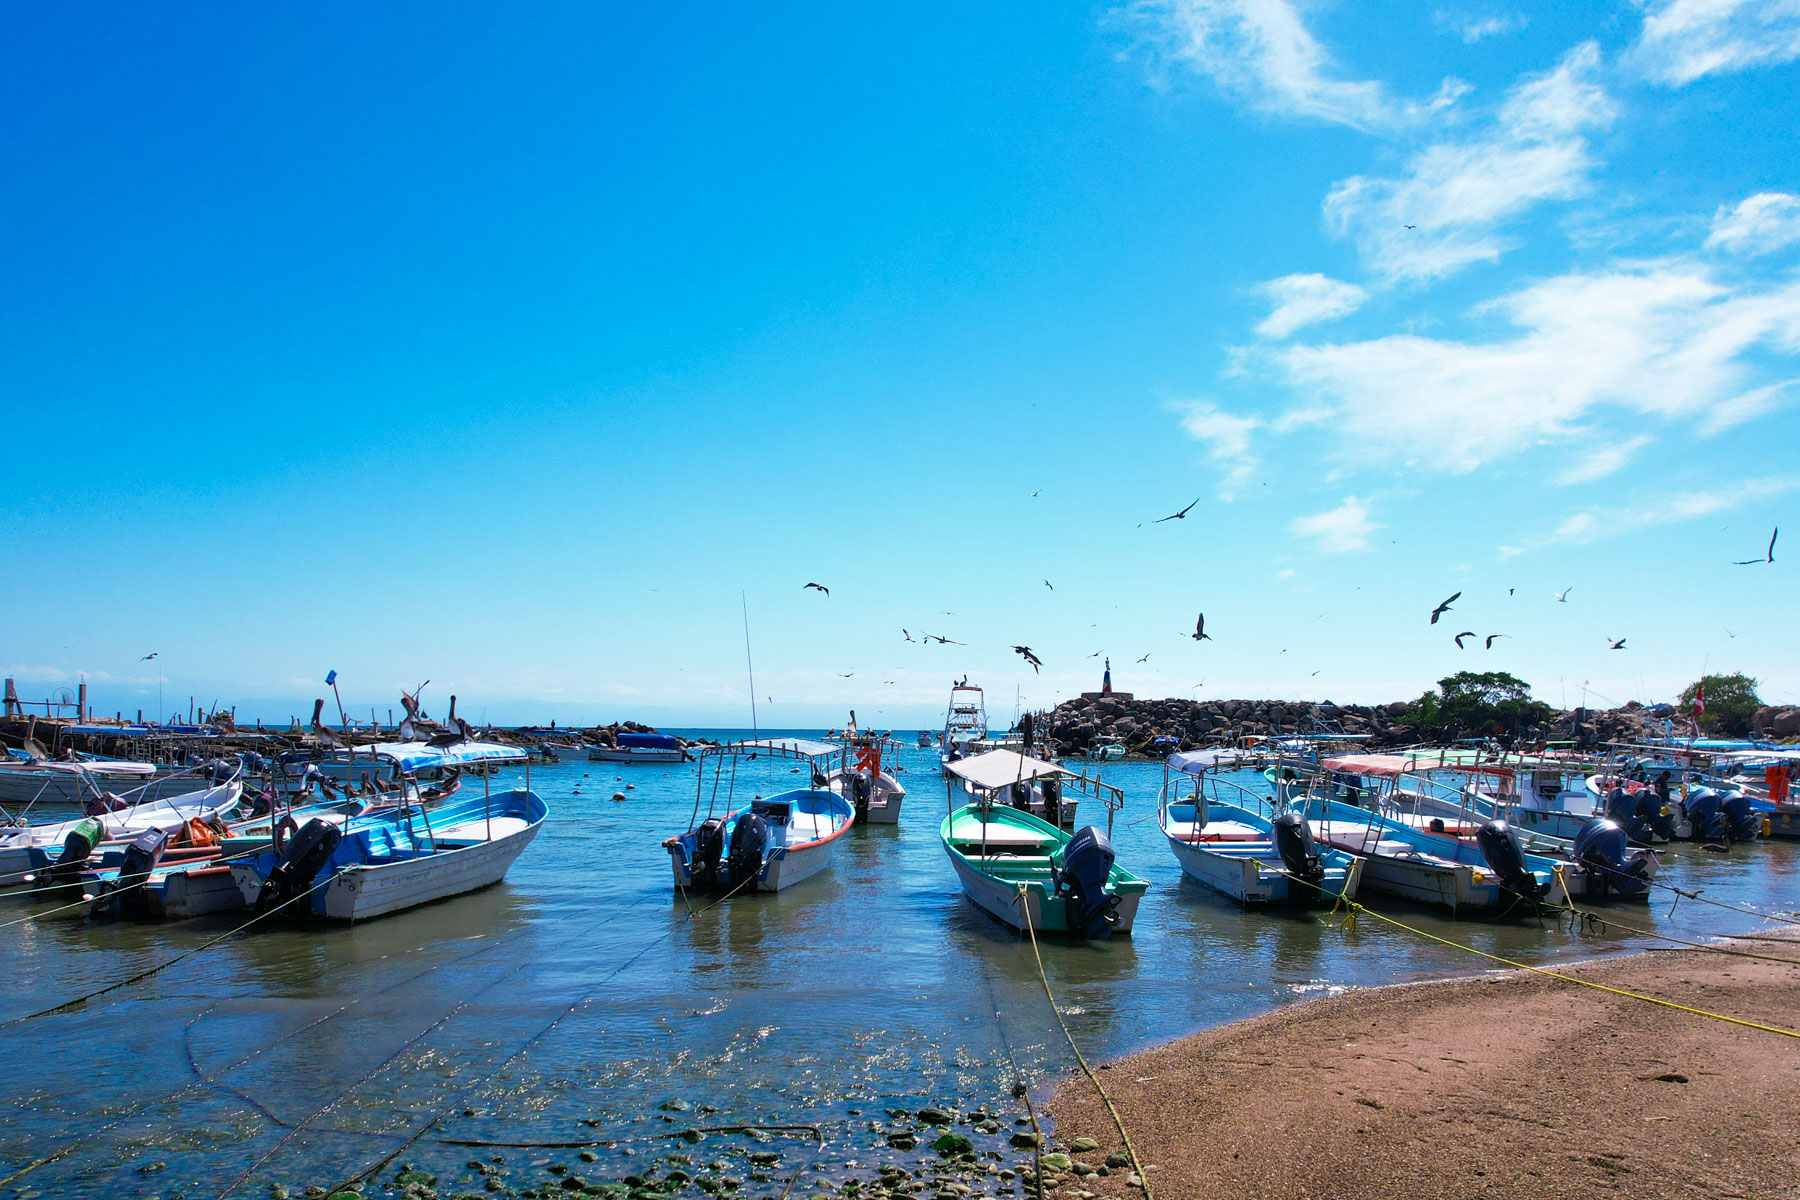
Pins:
x,y
1699,698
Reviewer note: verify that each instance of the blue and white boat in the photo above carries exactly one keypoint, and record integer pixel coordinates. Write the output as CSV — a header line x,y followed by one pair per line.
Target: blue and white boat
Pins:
x,y
1242,844
402,860
768,844
641,748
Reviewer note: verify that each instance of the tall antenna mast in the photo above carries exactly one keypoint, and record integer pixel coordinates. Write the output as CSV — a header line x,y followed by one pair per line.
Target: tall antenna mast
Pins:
x,y
749,666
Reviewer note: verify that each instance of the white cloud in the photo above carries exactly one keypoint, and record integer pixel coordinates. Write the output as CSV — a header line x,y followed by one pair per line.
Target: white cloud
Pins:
x,y
1474,29
1339,530
1596,523
1227,439
1764,222
1305,300
1662,341
1604,459
1685,40
1260,52
1446,210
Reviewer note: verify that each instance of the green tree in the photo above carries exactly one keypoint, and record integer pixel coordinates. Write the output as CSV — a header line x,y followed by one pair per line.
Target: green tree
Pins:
x,y
1478,704
1731,701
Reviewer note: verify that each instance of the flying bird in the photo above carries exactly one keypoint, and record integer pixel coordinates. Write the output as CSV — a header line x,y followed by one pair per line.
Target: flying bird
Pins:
x,y
148,657
1510,591
1730,634
1025,653
1095,654
1412,227
817,587
943,641
1489,645
1146,657
1443,608
1200,634
1612,645
845,674
1768,557
1562,597
1034,494
1464,634
908,637
1179,516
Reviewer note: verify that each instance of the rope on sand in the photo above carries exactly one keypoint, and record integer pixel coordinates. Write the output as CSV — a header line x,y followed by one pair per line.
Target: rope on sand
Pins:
x,y
1111,1108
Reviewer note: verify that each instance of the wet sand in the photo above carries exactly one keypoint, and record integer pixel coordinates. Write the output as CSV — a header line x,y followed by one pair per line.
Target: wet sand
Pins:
x,y
1509,1085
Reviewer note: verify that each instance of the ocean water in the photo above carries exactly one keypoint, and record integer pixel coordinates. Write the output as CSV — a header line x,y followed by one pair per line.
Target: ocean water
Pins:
x,y
585,1000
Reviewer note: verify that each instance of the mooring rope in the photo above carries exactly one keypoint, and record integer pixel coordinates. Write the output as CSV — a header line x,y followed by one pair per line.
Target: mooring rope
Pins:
x,y
1118,1121
1020,1089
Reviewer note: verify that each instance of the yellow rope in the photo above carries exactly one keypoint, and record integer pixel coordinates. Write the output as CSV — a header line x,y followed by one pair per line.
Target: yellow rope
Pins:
x,y
1118,1122
1588,983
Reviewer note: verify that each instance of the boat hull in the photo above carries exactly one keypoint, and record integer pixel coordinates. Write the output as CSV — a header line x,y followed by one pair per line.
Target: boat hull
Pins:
x,y
1252,880
630,755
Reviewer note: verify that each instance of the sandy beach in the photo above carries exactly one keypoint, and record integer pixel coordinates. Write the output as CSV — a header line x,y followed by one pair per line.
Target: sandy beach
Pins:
x,y
1509,1085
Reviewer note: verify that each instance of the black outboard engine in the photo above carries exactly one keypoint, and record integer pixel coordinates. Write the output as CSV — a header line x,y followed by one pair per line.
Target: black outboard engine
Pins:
x,y
709,849
1706,816
1051,787
1613,868
862,791
221,770
301,859
748,838
1086,862
78,848
1299,857
1018,794
1741,824
1499,843
141,857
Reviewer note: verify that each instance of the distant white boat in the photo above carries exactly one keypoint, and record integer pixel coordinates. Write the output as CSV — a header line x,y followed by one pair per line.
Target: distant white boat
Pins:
x,y
26,848
873,791
43,781
641,748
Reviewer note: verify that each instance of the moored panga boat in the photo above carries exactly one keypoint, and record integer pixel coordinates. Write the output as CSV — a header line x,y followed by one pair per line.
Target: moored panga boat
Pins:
x,y
1246,846
768,844
1021,869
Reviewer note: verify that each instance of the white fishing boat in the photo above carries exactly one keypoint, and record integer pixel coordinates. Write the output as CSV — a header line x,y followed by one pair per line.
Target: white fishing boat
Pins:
x,y
768,844
24,849
865,780
25,783
380,867
965,724
641,748
1045,790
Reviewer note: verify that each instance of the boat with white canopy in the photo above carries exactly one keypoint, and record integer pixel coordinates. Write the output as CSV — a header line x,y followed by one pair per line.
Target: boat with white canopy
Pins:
x,y
770,843
866,777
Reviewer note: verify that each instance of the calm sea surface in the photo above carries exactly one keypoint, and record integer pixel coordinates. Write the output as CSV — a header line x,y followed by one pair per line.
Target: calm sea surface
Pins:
x,y
572,1001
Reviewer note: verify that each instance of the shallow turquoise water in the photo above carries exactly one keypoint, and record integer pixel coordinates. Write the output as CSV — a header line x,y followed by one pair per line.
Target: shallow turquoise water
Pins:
x,y
571,1001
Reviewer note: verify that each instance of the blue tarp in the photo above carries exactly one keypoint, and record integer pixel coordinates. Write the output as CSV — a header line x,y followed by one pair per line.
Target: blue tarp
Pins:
x,y
650,741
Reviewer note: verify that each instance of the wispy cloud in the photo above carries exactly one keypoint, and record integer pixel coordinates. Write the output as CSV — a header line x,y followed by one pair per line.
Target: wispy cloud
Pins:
x,y
1302,300
1686,40
1664,340
1475,29
1227,439
1449,207
1596,523
1340,530
1260,53
1604,459
1763,222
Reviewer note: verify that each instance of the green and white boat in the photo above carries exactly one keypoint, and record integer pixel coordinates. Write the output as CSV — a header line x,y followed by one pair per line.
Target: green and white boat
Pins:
x,y
1020,868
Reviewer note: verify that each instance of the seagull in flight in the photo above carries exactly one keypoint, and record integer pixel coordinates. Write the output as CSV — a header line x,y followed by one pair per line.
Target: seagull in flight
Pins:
x,y
1464,634
1146,657
1412,226
943,641
909,637
1025,653
1489,644
1177,516
1034,495
1200,634
1562,597
1049,585
845,674
1443,608
1612,645
1768,556
816,587
150,656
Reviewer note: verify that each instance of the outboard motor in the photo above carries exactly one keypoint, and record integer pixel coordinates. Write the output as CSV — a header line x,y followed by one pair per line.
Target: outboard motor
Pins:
x,y
1051,787
748,838
1705,815
1299,857
709,849
1741,824
1499,843
78,847
1018,794
222,770
1621,807
1086,862
301,859
862,791
141,857
1613,869
1649,820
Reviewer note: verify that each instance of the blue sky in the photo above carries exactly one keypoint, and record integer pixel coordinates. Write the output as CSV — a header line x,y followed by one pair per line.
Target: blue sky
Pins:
x,y
511,350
